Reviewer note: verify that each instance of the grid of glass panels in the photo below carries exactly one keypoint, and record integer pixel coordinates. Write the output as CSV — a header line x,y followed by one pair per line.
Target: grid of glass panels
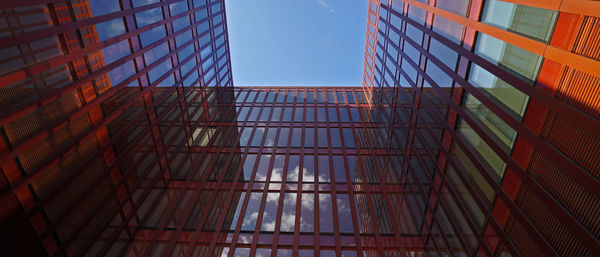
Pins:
x,y
463,150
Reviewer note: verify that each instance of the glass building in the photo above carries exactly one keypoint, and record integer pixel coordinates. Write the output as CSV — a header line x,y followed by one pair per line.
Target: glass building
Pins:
x,y
475,133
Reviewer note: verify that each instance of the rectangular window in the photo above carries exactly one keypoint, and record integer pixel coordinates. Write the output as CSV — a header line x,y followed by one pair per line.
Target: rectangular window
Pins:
x,y
296,137
325,213
310,114
332,114
322,137
344,214
308,169
323,164
525,20
263,168
270,214
270,140
288,214
307,215
252,209
309,137
348,137
293,168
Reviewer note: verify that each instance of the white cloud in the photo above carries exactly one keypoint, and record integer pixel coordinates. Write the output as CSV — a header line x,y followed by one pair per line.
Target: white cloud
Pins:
x,y
308,201
276,174
287,222
325,5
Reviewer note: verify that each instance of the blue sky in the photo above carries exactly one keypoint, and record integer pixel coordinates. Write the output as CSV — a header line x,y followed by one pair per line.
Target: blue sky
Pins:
x,y
297,42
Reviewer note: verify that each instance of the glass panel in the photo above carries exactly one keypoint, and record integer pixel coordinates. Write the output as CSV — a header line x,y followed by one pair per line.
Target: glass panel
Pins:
x,y
291,96
280,97
322,137
336,141
499,90
325,213
320,97
332,114
293,168
344,115
263,168
339,172
482,149
249,222
309,137
509,57
263,252
330,97
310,97
323,164
530,21
355,115
264,116
275,117
310,114
288,215
350,96
278,166
296,137
344,214
300,97
495,125
308,170
352,168
307,214
248,166
283,137
270,140
287,115
348,137
270,214
236,215
298,114
258,136
321,116
340,97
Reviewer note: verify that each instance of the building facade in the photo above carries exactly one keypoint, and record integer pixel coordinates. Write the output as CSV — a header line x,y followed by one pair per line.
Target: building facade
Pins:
x,y
512,164
97,99
475,133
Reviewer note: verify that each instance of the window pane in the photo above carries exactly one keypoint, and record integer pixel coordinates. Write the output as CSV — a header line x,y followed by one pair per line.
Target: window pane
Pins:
x,y
310,114
296,137
323,164
534,22
348,138
248,166
236,216
293,168
336,141
325,213
298,114
263,168
251,215
322,137
332,114
307,215
321,116
270,140
278,166
344,214
257,138
283,137
309,136
308,170
270,214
